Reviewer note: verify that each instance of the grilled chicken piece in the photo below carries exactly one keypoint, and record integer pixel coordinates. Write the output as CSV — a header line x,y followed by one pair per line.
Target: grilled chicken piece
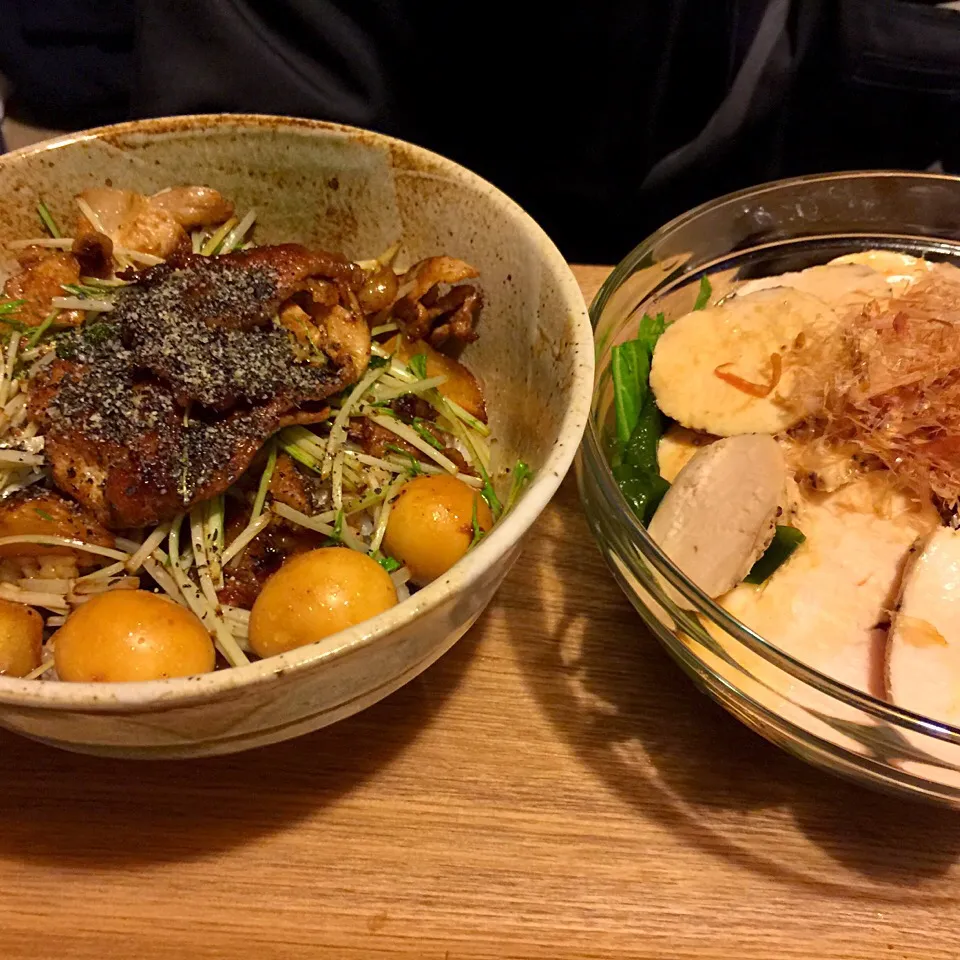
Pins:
x,y
166,403
379,441
244,578
193,207
128,456
287,485
444,320
205,327
426,274
295,267
332,330
42,273
155,225
130,220
461,385
29,513
304,415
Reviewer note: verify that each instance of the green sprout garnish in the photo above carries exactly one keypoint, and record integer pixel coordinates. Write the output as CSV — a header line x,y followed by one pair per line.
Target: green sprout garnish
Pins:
x,y
265,479
336,538
38,332
489,494
46,218
419,425
388,563
418,365
477,531
521,476
14,324
86,290
414,468
43,515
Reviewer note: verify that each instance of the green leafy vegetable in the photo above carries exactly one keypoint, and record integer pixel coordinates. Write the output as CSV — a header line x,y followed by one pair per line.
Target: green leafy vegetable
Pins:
x,y
650,329
388,563
377,362
640,451
521,476
418,364
642,489
11,306
639,422
46,218
785,541
43,515
703,297
630,365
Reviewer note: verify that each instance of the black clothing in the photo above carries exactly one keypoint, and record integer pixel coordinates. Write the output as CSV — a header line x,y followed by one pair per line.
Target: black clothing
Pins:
x,y
603,119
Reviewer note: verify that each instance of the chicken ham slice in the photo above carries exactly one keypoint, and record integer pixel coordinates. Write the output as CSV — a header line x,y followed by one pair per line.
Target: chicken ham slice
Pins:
x,y
828,605
923,652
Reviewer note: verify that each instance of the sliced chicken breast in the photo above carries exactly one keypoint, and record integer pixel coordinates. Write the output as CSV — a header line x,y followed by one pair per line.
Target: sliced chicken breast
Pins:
x,y
841,285
923,655
828,605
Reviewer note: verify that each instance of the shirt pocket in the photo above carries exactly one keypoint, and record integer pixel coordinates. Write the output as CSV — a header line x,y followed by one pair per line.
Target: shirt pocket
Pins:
x,y
899,82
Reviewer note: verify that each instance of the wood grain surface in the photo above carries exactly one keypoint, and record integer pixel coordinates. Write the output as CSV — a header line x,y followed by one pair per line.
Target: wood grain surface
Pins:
x,y
552,788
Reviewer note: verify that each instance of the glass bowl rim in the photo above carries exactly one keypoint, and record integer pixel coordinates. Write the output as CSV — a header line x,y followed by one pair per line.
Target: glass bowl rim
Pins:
x,y
597,463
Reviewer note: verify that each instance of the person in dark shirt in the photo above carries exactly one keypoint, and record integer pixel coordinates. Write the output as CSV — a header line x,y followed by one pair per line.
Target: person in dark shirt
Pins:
x,y
603,119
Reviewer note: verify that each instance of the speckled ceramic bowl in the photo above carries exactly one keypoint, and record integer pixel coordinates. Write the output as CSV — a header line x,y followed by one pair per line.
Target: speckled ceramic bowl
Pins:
x,y
357,192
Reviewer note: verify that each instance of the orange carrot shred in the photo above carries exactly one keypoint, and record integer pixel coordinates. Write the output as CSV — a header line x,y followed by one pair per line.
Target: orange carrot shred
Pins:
x,y
746,386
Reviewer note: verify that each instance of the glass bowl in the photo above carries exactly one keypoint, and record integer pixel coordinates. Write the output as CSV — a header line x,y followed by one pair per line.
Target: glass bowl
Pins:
x,y
773,228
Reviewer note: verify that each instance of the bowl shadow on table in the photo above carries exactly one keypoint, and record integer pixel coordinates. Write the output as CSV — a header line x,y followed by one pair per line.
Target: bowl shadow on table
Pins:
x,y
636,720
62,807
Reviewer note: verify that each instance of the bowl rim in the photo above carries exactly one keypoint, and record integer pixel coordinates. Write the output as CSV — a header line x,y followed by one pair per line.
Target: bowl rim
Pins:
x,y
158,695
596,461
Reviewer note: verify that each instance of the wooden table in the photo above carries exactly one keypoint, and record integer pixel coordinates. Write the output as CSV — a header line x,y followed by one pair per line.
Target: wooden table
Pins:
x,y
552,788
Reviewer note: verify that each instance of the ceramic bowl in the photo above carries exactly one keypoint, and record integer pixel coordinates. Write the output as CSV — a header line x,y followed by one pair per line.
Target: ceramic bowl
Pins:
x,y
356,192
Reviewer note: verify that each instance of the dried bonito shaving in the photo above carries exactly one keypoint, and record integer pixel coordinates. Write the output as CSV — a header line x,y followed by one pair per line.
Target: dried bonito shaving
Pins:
x,y
888,382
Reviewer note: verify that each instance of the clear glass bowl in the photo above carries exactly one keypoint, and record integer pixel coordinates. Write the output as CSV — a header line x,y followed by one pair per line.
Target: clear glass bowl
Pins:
x,y
787,225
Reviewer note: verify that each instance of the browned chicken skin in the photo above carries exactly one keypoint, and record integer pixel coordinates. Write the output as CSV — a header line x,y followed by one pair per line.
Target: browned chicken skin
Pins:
x,y
165,404
44,512
245,577
447,320
42,274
